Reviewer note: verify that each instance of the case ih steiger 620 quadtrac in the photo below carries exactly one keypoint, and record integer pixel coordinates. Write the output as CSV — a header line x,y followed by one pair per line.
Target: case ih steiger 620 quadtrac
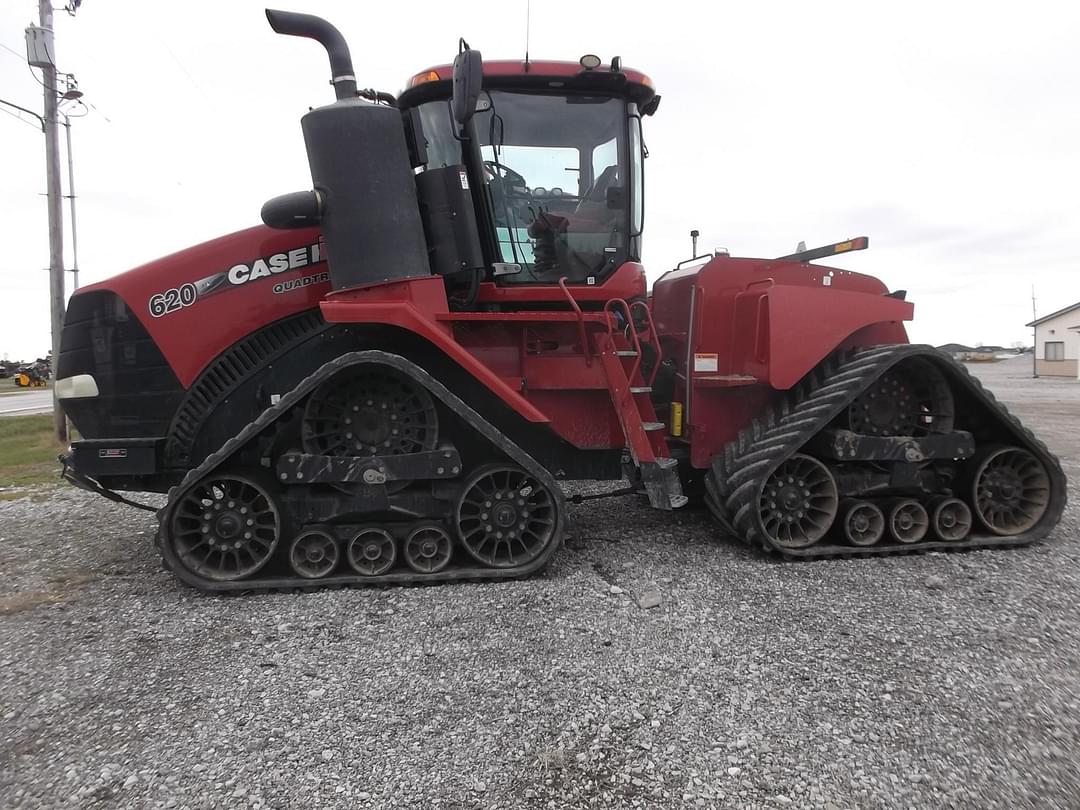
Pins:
x,y
386,382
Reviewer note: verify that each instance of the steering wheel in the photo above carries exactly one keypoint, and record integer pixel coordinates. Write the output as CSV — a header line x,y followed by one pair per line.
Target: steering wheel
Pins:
x,y
506,176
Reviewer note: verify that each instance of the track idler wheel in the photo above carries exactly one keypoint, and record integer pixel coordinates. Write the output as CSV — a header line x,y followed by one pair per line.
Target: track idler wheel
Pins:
x,y
225,527
907,520
505,517
372,552
862,522
950,518
798,502
1010,490
314,554
428,549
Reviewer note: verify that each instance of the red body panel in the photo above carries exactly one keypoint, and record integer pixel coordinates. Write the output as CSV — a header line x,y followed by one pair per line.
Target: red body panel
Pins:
x,y
192,334
627,282
758,326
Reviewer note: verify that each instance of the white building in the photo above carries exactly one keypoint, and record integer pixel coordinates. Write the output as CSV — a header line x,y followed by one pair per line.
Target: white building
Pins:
x,y
1057,343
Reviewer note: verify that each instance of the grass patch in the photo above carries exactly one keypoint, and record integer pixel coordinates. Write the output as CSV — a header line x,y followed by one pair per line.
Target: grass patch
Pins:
x,y
28,451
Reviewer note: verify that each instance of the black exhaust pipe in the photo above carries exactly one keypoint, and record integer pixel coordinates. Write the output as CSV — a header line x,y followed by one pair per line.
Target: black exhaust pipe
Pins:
x,y
364,200
293,24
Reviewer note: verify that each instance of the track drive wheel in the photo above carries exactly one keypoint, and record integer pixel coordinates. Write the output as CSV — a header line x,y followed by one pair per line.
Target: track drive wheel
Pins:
x,y
798,503
226,526
910,399
1010,490
368,411
505,517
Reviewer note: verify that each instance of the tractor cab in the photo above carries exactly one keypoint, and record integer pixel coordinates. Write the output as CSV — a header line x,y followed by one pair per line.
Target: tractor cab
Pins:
x,y
513,181
558,152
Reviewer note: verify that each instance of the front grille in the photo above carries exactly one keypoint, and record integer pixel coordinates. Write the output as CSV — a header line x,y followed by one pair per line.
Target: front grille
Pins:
x,y
138,391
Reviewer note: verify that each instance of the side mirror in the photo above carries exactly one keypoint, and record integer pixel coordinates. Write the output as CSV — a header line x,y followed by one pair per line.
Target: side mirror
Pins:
x,y
468,77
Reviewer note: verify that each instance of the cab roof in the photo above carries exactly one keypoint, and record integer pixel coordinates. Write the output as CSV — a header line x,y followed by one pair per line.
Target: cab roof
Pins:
x,y
434,82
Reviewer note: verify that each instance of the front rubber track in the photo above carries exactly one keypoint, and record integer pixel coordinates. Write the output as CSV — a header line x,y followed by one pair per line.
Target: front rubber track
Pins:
x,y
738,474
292,399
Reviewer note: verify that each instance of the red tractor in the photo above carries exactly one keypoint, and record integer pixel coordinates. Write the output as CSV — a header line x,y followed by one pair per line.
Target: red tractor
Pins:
x,y
386,382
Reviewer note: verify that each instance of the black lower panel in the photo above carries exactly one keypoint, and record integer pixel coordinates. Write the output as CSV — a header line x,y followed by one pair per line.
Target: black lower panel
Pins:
x,y
138,391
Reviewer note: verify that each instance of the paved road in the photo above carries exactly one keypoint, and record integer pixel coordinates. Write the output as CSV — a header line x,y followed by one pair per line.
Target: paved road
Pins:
x,y
27,403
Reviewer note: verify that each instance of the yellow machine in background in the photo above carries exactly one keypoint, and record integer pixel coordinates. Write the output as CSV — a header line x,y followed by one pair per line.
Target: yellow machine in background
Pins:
x,y
25,379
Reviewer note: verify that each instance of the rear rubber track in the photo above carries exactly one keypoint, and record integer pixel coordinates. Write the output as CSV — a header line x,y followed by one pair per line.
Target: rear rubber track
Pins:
x,y
735,479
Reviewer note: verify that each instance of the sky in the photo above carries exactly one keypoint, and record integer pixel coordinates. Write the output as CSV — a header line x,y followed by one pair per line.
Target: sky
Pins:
x,y
949,133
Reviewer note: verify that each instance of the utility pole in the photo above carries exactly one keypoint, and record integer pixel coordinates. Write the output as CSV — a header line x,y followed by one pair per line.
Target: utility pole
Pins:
x,y
55,202
71,196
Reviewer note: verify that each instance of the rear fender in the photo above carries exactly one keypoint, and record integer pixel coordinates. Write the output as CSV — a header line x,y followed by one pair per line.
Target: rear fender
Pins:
x,y
784,331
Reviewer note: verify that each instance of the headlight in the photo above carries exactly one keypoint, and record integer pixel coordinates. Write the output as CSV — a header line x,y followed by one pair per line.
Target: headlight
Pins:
x,y
81,386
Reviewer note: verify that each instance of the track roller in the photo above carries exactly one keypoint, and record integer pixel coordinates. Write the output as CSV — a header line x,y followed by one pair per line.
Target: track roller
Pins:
x,y
372,552
862,522
950,518
428,549
907,520
1010,490
314,554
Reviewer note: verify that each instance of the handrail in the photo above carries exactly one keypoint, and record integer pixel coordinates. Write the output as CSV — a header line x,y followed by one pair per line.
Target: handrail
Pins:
x,y
693,259
651,336
635,343
580,321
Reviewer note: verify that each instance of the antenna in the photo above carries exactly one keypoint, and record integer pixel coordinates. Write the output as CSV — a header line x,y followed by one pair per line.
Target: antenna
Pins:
x,y
528,16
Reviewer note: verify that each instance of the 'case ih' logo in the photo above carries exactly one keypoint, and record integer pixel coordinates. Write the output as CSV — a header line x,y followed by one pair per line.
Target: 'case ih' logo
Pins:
x,y
272,265
187,295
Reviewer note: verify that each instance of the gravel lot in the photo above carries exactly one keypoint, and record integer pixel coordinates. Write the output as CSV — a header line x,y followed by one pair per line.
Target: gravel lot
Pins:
x,y
927,681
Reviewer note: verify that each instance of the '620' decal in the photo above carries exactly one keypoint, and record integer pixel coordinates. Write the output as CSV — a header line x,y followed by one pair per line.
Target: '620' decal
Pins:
x,y
172,300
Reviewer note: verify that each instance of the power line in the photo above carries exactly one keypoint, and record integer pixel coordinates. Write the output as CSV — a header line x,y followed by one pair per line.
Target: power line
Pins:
x,y
16,116
11,50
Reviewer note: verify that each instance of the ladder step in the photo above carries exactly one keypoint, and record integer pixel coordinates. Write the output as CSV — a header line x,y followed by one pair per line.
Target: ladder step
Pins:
x,y
653,425
625,353
640,389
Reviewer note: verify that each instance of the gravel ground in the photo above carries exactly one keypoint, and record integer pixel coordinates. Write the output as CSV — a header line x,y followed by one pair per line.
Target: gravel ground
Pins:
x,y
927,681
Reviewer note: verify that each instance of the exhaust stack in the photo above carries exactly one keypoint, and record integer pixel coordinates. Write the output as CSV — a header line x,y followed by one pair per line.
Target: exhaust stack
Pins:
x,y
293,24
364,197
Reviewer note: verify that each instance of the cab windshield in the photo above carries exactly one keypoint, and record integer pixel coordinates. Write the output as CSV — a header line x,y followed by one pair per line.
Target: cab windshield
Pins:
x,y
555,166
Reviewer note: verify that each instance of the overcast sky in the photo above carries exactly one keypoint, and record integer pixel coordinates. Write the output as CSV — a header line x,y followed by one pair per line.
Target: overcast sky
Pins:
x,y
947,132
